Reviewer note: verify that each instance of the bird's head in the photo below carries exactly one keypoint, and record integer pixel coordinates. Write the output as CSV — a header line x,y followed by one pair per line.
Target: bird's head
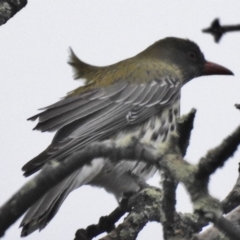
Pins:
x,y
185,56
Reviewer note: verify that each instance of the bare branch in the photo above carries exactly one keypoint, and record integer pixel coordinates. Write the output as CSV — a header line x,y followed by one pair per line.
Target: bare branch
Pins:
x,y
168,200
146,209
233,198
217,30
214,234
216,157
204,204
237,105
185,126
54,172
105,224
8,8
227,228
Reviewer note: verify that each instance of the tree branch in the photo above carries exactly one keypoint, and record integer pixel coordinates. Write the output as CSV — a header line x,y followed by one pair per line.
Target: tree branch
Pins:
x,y
54,172
205,205
218,31
216,157
185,127
167,156
146,209
8,8
214,234
105,224
237,105
233,198
168,200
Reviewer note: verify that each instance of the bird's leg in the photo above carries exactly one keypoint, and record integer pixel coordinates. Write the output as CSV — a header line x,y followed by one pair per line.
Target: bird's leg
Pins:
x,y
124,204
129,197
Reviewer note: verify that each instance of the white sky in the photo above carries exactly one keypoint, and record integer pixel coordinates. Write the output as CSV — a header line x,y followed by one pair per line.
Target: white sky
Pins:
x,y
33,55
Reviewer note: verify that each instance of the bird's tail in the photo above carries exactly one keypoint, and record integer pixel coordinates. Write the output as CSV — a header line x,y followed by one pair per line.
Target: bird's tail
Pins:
x,y
41,213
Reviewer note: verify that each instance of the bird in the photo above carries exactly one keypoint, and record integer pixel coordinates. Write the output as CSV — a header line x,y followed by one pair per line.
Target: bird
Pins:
x,y
136,97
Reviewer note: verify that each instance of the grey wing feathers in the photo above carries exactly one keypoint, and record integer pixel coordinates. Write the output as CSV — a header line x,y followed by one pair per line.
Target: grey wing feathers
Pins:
x,y
99,114
46,207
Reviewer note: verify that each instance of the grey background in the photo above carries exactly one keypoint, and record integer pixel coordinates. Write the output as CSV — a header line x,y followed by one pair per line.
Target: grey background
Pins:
x,y
33,55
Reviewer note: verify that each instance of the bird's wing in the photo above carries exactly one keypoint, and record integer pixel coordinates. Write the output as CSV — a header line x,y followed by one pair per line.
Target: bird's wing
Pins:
x,y
98,114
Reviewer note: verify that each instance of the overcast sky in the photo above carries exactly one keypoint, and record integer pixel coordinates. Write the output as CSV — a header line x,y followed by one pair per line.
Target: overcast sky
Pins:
x,y
34,73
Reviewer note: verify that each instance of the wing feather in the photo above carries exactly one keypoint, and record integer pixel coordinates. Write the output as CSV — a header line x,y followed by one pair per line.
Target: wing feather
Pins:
x,y
100,114
69,116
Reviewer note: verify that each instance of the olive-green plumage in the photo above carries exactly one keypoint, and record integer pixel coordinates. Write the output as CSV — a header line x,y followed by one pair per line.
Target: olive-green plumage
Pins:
x,y
154,62
139,96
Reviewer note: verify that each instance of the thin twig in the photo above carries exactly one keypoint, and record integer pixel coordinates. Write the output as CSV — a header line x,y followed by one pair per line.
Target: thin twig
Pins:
x,y
237,105
218,31
105,224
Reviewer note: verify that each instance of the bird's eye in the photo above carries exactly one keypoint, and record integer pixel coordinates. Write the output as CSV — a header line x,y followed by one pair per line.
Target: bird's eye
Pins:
x,y
192,55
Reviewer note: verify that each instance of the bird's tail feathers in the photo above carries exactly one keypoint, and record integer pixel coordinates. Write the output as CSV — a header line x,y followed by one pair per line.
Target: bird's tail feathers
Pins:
x,y
36,163
41,213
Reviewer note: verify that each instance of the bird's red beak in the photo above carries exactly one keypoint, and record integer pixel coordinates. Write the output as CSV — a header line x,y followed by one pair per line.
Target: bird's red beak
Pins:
x,y
211,68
